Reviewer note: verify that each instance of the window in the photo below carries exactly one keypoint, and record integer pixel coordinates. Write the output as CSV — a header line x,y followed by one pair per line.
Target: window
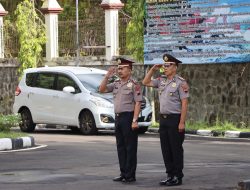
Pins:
x,y
63,80
93,81
45,80
30,79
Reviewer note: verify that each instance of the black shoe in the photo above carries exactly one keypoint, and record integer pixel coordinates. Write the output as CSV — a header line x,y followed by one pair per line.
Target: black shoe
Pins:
x,y
120,178
165,181
174,182
129,180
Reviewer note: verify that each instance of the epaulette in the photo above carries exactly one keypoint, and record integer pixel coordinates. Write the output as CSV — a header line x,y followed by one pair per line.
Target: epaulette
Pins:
x,y
134,81
181,78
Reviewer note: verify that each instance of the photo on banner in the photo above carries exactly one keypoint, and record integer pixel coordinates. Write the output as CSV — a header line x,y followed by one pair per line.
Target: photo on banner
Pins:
x,y
197,31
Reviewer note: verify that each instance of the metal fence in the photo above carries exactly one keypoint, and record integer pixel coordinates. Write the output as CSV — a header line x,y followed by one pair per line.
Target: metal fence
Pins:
x,y
91,33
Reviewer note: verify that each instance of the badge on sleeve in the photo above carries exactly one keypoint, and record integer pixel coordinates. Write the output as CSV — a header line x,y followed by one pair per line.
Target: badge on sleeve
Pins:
x,y
138,90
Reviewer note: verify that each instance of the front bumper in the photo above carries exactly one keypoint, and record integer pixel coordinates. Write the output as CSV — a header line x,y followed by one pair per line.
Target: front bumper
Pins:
x,y
144,120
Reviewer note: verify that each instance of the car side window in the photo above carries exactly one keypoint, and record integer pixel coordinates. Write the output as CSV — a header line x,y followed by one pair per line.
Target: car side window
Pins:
x,y
63,80
30,79
45,80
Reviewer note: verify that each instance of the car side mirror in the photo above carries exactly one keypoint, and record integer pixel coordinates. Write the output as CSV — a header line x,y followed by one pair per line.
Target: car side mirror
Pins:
x,y
69,89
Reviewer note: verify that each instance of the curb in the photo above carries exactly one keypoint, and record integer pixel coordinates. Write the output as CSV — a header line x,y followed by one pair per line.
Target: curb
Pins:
x,y
210,133
18,143
244,185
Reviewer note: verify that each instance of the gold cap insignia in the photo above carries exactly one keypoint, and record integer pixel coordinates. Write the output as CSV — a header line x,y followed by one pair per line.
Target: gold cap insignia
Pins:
x,y
119,61
165,58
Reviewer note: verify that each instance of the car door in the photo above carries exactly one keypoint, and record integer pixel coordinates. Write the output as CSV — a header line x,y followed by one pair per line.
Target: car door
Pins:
x,y
41,98
67,105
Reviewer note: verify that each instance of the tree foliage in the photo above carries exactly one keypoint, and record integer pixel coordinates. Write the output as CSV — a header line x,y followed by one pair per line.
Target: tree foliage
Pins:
x,y
31,33
135,29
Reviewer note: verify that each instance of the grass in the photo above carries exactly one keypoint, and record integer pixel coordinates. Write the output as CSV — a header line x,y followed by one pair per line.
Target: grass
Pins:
x,y
218,126
12,134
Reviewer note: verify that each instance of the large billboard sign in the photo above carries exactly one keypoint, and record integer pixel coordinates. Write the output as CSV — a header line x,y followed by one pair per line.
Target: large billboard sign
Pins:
x,y
197,31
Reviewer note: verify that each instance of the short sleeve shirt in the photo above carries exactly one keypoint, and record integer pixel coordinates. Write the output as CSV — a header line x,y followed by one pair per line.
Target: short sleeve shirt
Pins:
x,y
170,94
125,95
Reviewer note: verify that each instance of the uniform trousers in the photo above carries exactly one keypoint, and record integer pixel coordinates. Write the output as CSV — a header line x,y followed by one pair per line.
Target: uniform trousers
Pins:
x,y
171,144
126,141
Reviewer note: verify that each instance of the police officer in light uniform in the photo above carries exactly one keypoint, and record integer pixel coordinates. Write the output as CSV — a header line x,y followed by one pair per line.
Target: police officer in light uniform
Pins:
x,y
173,95
127,104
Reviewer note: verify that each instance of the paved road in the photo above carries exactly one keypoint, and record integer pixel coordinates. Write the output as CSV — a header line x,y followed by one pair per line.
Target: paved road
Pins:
x,y
75,162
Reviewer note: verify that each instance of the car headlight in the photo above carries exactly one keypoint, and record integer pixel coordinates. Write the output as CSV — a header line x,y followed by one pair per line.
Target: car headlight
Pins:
x,y
107,118
101,102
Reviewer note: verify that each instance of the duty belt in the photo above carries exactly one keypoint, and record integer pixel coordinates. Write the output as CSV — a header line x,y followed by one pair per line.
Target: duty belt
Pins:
x,y
122,113
169,115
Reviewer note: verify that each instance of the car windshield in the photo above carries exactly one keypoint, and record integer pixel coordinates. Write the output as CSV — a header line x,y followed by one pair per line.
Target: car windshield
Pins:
x,y
93,81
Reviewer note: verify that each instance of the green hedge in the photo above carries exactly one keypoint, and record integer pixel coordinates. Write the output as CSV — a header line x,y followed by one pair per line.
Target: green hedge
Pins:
x,y
8,121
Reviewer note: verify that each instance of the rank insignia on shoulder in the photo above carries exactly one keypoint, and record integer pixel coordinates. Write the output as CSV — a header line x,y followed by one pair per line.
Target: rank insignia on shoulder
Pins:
x,y
134,81
181,78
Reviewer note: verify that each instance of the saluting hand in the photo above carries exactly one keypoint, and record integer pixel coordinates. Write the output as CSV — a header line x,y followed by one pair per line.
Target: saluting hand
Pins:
x,y
111,72
156,67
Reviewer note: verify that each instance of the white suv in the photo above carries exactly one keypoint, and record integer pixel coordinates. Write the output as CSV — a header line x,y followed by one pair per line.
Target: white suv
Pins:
x,y
68,96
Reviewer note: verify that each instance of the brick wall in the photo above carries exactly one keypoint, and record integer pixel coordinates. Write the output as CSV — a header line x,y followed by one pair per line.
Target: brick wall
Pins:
x,y
8,83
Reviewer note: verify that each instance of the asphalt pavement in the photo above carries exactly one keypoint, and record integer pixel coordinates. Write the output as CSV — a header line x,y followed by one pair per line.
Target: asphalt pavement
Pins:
x,y
75,162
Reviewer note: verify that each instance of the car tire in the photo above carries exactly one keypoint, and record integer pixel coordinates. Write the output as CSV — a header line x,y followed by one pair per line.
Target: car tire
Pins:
x,y
27,124
87,123
142,130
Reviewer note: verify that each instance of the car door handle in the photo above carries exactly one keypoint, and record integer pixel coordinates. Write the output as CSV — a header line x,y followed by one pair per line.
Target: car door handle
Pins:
x,y
56,96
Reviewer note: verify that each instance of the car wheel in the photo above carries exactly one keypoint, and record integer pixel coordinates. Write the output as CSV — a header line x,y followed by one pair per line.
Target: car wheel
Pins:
x,y
142,130
87,123
27,124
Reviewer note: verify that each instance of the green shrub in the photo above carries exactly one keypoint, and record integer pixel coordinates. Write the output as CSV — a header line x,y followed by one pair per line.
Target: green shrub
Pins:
x,y
8,121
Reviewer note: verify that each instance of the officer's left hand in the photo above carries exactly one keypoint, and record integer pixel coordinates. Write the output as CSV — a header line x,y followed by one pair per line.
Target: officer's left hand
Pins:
x,y
181,127
134,125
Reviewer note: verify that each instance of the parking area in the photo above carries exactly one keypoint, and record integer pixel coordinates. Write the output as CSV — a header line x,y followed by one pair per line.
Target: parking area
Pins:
x,y
73,161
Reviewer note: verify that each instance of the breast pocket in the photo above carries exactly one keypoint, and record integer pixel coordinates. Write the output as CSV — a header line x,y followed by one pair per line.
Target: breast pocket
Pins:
x,y
127,96
115,92
173,91
160,90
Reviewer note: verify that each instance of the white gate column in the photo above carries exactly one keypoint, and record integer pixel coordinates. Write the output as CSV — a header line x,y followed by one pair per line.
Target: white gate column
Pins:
x,y
111,8
2,14
51,9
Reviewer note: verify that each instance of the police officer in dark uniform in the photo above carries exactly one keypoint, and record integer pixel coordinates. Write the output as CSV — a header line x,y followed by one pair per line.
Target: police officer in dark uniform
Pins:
x,y
127,104
173,95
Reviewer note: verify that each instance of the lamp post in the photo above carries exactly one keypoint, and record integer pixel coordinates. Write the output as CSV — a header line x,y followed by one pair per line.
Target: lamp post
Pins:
x,y
77,36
